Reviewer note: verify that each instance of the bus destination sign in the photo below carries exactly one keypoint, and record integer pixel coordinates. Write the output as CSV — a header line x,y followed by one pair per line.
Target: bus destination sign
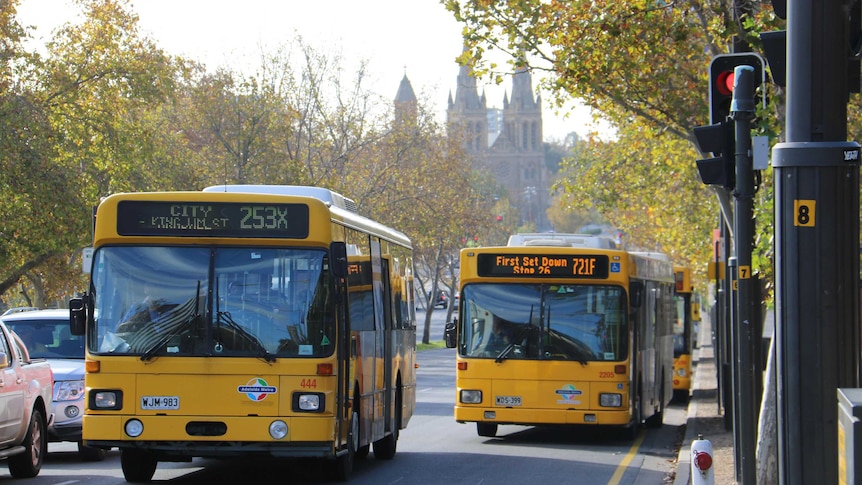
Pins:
x,y
212,219
544,266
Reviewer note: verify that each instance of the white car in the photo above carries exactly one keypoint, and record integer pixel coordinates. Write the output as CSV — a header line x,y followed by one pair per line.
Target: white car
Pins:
x,y
47,335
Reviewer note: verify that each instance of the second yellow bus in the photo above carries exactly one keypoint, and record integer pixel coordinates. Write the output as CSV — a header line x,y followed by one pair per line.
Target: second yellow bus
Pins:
x,y
562,329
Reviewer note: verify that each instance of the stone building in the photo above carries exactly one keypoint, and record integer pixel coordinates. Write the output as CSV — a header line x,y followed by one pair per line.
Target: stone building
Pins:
x,y
508,141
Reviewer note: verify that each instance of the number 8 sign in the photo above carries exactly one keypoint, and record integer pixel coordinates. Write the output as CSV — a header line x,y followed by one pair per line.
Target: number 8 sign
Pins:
x,y
803,212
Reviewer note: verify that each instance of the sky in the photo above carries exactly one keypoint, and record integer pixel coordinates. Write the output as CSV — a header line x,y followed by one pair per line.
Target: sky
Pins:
x,y
419,38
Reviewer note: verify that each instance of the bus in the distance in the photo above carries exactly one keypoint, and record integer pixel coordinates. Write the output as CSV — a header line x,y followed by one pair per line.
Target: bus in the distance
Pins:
x,y
246,321
562,329
683,333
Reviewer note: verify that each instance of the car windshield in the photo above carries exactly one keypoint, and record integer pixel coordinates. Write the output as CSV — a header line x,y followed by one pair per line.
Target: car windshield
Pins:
x,y
200,301
48,338
580,323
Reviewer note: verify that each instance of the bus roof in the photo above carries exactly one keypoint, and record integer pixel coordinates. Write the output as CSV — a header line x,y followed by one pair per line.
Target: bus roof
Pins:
x,y
330,198
562,240
342,207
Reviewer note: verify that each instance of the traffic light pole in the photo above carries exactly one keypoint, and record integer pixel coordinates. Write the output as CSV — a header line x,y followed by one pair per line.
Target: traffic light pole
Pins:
x,y
742,110
816,174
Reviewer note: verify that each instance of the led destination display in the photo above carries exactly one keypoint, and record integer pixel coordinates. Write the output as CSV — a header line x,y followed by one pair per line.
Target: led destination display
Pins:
x,y
212,219
543,266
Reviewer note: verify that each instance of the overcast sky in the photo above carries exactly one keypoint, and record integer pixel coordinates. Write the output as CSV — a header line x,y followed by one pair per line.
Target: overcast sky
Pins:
x,y
419,37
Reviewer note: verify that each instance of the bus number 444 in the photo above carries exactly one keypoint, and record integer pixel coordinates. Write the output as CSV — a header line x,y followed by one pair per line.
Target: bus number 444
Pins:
x,y
308,384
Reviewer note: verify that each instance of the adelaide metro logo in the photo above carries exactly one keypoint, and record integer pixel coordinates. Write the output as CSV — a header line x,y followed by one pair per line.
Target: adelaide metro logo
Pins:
x,y
257,389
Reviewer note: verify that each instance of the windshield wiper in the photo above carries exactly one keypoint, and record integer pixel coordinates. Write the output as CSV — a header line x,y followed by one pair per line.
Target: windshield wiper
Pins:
x,y
258,347
151,352
148,355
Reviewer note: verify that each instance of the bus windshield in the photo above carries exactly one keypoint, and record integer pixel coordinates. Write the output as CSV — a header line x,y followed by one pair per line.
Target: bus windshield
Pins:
x,y
211,301
544,321
679,338
580,323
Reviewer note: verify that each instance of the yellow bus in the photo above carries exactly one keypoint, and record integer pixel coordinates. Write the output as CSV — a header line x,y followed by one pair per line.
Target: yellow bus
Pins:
x,y
242,321
683,333
562,329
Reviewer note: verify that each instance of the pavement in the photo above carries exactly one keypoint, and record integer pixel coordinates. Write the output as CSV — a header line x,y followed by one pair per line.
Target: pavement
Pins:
x,y
705,417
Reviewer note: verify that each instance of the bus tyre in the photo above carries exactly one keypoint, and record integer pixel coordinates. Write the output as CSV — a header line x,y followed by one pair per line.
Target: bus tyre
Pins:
x,y
657,419
487,429
635,426
90,453
29,463
138,465
344,462
384,448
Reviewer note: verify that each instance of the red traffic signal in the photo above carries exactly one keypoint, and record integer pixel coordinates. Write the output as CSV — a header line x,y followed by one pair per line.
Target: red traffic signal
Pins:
x,y
724,83
721,80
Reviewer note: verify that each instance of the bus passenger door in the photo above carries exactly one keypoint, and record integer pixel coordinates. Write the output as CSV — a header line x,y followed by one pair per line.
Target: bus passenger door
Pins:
x,y
378,362
650,380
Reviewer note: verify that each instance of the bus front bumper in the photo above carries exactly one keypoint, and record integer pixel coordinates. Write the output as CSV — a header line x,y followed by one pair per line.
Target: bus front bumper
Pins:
x,y
527,416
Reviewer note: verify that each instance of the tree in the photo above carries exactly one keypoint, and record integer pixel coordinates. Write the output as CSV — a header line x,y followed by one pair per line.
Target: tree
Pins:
x,y
79,124
417,179
633,62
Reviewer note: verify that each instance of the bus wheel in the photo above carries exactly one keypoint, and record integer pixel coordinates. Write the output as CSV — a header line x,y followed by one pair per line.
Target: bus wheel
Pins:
x,y
138,465
487,429
680,396
344,462
90,453
635,425
657,419
384,448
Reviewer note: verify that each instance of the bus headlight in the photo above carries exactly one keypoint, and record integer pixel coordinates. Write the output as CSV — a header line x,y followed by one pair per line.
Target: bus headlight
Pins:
x,y
278,429
134,428
610,400
308,402
105,399
471,396
680,372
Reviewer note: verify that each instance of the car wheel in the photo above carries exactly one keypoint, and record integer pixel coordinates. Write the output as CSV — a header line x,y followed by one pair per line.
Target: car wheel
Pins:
x,y
29,463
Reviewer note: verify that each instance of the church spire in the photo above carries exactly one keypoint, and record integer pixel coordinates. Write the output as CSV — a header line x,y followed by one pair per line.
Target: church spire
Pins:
x,y
405,101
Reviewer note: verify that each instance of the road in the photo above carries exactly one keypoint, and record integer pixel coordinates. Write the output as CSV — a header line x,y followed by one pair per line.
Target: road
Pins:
x,y
433,449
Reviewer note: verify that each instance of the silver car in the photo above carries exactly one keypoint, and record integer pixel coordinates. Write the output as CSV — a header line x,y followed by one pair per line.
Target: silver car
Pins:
x,y
47,336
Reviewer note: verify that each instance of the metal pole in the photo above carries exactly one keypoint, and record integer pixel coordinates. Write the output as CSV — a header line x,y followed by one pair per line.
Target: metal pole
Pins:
x,y
742,110
816,173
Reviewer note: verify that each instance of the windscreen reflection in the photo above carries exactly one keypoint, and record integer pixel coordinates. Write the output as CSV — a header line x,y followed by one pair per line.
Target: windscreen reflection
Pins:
x,y
581,323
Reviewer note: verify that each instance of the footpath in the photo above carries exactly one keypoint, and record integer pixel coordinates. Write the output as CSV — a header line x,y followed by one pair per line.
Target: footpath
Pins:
x,y
705,417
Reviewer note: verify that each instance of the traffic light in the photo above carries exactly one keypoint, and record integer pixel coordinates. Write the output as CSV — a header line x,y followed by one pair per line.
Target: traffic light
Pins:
x,y
721,81
719,140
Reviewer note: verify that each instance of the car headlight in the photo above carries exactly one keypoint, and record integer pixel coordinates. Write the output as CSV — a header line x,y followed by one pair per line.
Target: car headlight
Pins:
x,y
610,400
68,390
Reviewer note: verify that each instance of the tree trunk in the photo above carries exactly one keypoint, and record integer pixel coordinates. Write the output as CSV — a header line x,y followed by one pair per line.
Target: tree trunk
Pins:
x,y
767,445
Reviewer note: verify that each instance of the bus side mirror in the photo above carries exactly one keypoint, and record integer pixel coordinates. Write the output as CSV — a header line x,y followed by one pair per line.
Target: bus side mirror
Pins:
x,y
338,255
637,294
78,314
450,333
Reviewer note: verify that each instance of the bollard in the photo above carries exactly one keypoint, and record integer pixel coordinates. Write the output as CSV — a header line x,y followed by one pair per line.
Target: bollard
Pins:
x,y
702,472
